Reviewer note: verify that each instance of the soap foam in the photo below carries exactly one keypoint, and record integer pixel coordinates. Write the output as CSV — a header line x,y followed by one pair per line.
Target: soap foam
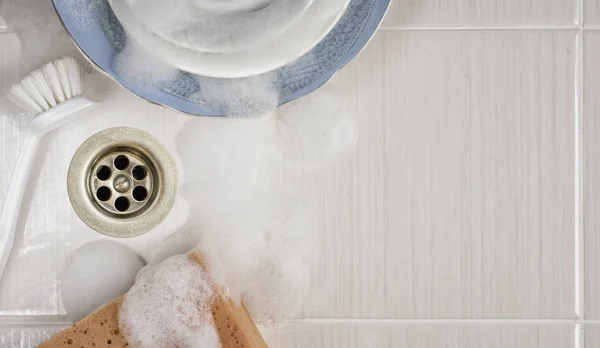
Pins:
x,y
260,240
225,156
84,13
261,247
137,65
250,96
217,26
317,129
243,97
44,39
169,306
180,242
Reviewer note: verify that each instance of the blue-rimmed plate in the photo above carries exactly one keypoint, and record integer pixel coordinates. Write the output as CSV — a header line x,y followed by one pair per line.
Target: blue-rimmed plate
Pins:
x,y
101,43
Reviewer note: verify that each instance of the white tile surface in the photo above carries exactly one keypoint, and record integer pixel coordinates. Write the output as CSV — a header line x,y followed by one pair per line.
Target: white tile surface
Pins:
x,y
591,335
591,12
367,335
469,13
12,122
458,200
591,172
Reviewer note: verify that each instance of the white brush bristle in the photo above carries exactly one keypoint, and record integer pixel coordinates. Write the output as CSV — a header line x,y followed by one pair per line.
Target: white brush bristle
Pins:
x,y
49,86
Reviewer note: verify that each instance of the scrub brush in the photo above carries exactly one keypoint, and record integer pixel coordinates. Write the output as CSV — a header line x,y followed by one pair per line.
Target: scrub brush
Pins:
x,y
54,94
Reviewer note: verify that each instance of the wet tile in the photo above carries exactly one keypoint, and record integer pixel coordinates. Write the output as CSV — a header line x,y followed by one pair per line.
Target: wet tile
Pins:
x,y
591,170
457,201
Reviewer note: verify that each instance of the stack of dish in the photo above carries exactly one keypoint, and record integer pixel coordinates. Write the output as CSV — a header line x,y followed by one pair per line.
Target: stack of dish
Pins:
x,y
302,43
204,38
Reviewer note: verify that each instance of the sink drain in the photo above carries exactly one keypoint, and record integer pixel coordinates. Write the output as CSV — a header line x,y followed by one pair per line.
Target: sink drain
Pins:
x,y
122,182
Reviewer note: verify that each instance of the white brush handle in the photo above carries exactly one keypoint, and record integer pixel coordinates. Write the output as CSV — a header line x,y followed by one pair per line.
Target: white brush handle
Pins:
x,y
45,122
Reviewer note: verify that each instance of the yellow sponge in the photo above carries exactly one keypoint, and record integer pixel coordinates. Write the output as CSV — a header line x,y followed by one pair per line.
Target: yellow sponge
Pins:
x,y
100,329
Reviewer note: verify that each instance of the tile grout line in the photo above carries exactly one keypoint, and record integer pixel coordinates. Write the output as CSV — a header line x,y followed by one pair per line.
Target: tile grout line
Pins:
x,y
579,334
580,28
579,276
579,182
581,13
444,321
516,321
481,28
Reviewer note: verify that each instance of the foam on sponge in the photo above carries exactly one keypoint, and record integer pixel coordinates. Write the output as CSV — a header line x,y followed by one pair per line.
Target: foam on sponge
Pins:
x,y
161,311
169,305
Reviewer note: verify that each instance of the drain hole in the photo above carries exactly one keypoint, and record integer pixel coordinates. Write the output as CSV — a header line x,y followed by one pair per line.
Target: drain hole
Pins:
x,y
103,173
103,193
121,162
140,193
139,173
122,204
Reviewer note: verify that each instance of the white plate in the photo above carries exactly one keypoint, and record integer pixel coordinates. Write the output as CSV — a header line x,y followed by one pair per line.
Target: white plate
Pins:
x,y
302,35
218,25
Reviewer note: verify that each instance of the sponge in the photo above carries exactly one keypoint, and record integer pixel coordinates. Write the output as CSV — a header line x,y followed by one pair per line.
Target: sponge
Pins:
x,y
235,327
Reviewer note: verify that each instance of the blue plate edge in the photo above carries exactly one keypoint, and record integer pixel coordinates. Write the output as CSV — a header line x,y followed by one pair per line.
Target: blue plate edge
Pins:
x,y
168,100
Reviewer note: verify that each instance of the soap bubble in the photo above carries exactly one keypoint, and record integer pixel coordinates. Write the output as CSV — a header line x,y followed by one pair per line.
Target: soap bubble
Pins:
x,y
169,306
96,274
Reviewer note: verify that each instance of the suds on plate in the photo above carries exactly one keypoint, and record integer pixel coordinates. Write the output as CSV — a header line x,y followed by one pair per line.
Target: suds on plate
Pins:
x,y
250,96
84,13
139,66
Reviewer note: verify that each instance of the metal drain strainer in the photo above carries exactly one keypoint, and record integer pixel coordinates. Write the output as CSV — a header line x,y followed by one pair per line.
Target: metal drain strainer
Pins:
x,y
122,182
